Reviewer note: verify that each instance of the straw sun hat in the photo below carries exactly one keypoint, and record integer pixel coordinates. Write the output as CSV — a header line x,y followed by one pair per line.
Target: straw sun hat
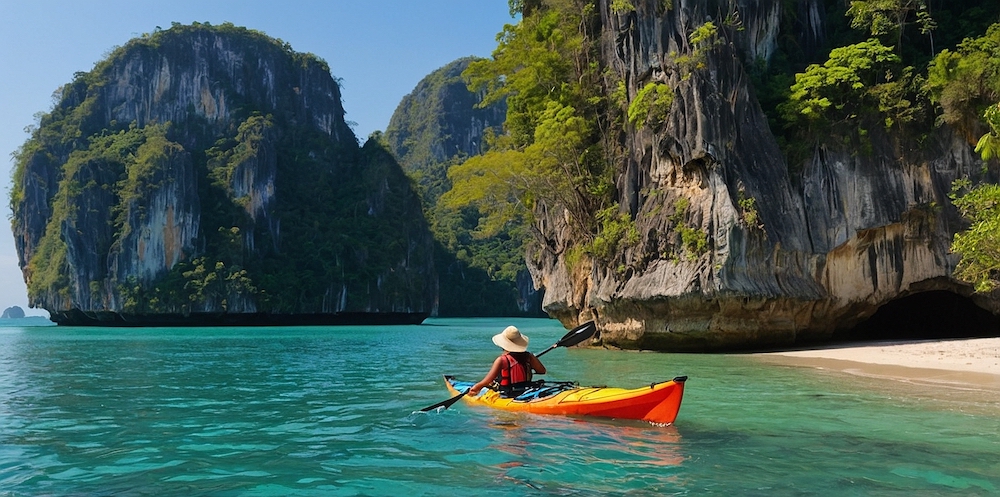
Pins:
x,y
511,340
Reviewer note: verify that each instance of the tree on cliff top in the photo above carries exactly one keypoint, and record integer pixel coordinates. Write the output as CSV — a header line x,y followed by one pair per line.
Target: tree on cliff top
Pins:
x,y
965,81
966,84
978,246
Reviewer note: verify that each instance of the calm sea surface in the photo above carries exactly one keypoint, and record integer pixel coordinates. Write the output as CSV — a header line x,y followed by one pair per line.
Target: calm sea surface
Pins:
x,y
330,411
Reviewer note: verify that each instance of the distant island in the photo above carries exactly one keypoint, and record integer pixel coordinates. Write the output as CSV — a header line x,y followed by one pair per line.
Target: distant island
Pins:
x,y
14,316
13,312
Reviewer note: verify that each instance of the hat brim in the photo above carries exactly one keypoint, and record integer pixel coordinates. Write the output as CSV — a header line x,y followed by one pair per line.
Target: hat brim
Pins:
x,y
509,345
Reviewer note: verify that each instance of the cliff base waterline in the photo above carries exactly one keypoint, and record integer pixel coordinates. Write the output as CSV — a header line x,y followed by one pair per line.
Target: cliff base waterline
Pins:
x,y
76,317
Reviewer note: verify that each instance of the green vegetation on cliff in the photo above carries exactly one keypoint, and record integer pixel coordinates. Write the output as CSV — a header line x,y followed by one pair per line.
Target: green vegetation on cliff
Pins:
x,y
436,126
883,76
869,79
966,84
558,150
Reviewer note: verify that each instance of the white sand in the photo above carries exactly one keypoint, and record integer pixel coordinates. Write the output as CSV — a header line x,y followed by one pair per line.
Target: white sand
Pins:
x,y
977,355
974,361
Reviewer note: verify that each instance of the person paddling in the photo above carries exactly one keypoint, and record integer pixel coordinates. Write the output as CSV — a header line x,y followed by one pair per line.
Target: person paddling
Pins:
x,y
515,366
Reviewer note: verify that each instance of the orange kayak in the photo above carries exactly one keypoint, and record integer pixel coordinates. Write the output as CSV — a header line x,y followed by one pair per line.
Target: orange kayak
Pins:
x,y
656,403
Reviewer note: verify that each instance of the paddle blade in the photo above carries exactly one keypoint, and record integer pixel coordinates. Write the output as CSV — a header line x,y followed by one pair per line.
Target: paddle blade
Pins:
x,y
445,403
578,334
574,336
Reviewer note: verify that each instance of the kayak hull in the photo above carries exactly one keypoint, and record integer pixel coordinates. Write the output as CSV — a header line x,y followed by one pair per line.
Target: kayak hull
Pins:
x,y
656,403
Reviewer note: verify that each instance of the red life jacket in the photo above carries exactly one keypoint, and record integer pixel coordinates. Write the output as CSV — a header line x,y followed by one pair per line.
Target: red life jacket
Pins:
x,y
512,371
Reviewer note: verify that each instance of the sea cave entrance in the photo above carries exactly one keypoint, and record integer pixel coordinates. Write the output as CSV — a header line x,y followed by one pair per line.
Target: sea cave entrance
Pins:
x,y
927,315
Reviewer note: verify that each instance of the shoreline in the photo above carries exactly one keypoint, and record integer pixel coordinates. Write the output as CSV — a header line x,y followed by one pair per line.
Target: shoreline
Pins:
x,y
960,364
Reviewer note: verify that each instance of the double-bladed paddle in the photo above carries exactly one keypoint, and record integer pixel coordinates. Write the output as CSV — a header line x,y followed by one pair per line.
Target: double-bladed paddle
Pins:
x,y
573,337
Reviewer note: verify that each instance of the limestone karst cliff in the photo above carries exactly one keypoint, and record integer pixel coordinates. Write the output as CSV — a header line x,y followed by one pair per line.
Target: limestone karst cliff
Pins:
x,y
438,124
792,252
209,169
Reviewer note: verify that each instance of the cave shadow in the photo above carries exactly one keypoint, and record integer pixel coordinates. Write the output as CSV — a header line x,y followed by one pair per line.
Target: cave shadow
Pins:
x,y
933,315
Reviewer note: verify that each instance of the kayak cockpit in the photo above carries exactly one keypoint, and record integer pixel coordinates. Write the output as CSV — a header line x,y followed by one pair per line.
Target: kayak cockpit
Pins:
x,y
527,392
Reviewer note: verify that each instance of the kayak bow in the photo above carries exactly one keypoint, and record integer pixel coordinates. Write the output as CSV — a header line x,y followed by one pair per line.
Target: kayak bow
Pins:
x,y
656,403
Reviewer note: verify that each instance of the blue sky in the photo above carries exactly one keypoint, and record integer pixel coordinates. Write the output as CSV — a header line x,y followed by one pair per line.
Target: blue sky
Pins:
x,y
380,49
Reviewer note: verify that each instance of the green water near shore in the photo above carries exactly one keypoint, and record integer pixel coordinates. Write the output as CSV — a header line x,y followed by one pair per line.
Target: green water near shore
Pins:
x,y
330,411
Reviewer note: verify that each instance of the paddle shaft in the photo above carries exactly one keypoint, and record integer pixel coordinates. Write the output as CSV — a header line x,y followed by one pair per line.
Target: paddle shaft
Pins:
x,y
445,403
546,350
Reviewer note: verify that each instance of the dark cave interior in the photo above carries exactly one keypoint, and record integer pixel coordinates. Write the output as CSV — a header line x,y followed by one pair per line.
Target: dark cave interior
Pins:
x,y
923,316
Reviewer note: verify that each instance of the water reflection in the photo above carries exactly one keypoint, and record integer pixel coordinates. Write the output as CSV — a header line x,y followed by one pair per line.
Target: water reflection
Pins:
x,y
544,452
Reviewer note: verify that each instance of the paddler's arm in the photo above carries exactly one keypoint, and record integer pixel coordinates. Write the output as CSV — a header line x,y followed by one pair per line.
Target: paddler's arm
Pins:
x,y
492,375
536,364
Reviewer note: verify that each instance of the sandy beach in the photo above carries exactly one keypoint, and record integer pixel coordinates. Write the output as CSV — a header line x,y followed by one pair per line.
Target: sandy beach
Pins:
x,y
959,363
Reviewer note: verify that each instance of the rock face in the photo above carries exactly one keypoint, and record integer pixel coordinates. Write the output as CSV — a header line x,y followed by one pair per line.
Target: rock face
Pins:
x,y
787,259
209,169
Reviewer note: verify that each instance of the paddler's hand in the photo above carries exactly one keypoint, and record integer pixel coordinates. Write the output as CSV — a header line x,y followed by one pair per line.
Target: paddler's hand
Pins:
x,y
473,391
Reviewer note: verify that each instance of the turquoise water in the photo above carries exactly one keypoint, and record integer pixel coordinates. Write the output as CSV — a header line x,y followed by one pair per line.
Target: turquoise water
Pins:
x,y
330,411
